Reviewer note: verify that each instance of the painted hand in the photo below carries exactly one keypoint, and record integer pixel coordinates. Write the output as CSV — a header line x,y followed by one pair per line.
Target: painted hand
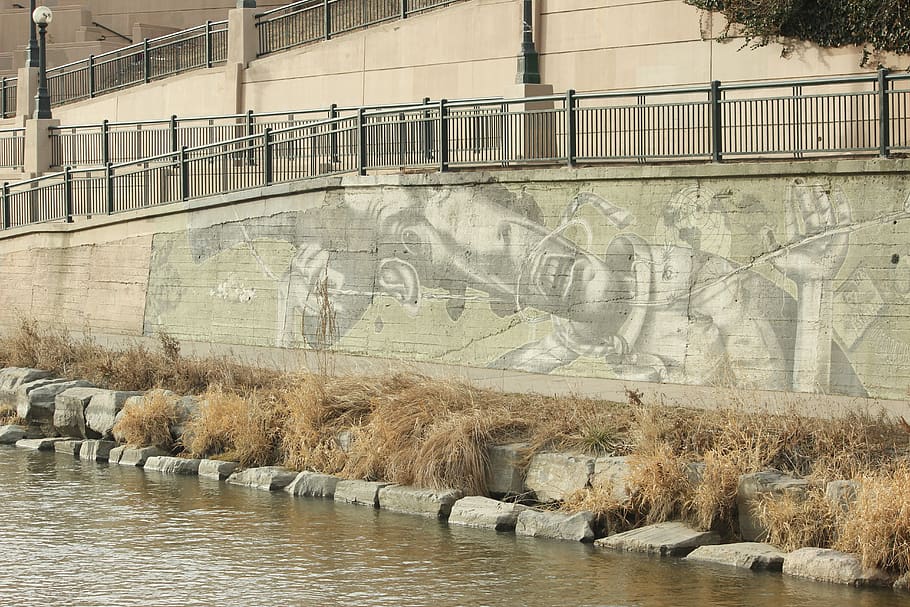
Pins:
x,y
817,234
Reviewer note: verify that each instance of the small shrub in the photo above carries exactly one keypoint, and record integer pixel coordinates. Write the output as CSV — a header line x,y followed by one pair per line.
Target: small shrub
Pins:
x,y
148,421
663,490
796,520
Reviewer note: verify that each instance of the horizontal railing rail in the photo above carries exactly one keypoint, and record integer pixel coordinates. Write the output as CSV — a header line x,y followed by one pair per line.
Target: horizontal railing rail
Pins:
x,y
152,59
8,92
311,20
215,155
12,148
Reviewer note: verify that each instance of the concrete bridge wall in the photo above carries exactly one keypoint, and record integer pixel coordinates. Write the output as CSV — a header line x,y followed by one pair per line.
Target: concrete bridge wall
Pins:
x,y
782,277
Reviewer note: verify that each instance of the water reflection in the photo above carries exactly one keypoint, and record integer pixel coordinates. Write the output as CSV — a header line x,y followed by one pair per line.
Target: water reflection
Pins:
x,y
80,533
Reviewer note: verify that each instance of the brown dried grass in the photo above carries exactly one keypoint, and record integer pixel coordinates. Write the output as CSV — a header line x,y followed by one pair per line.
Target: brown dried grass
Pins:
x,y
149,421
798,519
611,515
877,526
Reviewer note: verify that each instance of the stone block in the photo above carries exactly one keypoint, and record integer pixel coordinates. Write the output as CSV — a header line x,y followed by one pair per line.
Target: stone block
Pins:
x,y
412,500
313,484
101,412
267,478
578,527
217,469
172,465
613,472
665,539
485,513
39,444
507,469
125,455
69,412
745,555
751,489
11,378
554,476
96,450
68,447
824,565
12,433
841,494
36,400
364,493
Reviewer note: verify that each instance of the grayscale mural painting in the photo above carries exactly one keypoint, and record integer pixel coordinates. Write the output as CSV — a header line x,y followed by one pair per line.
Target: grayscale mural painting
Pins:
x,y
780,287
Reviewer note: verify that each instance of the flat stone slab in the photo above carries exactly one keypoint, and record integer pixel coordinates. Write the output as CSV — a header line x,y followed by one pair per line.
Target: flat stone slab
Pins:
x,y
313,484
68,447
217,469
172,465
9,435
554,476
365,493
39,444
485,513
267,478
126,455
665,539
413,500
578,527
745,555
824,565
96,450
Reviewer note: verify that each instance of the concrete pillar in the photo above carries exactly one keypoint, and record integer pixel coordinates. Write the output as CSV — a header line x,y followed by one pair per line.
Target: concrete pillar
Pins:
x,y
26,90
243,45
536,137
38,146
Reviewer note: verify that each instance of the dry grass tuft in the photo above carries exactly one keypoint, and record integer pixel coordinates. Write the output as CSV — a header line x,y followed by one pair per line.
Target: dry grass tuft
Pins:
x,y
877,527
798,519
663,490
149,420
611,515
242,428
9,416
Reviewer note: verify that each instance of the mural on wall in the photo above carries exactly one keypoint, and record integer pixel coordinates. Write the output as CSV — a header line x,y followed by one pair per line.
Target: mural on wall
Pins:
x,y
591,287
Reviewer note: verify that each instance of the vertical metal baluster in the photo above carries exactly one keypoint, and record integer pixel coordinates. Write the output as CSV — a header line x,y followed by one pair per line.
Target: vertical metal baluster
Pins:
x,y
571,141
267,155
884,114
717,142
443,136
5,209
68,194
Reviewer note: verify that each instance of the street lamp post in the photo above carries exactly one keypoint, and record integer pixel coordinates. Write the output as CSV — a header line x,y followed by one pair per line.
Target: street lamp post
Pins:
x,y
32,39
528,60
42,16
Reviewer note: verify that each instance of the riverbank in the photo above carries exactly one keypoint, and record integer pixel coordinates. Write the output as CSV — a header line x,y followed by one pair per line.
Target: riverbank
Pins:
x,y
730,474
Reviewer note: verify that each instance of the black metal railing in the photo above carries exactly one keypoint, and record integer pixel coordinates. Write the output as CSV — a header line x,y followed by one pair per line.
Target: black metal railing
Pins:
x,y
12,148
855,115
151,59
8,91
311,20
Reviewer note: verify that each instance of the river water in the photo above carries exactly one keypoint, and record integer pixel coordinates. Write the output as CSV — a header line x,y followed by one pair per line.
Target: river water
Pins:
x,y
79,533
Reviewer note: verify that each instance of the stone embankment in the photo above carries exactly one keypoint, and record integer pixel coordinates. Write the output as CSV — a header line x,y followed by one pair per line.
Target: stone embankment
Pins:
x,y
76,419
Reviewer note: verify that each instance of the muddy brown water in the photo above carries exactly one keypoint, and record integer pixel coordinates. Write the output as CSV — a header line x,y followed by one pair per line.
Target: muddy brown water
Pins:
x,y
80,533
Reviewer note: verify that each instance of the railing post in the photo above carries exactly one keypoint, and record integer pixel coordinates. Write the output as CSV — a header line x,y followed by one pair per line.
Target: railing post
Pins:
x,y
443,137
146,61
3,108
208,44
173,133
328,19
5,209
109,187
105,142
91,76
717,140
427,133
184,174
884,114
333,138
68,194
404,9
267,155
361,144
571,141
250,123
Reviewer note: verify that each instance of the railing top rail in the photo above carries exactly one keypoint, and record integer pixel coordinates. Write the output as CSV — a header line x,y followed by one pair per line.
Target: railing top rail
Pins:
x,y
773,84
137,46
290,8
683,90
12,130
9,78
